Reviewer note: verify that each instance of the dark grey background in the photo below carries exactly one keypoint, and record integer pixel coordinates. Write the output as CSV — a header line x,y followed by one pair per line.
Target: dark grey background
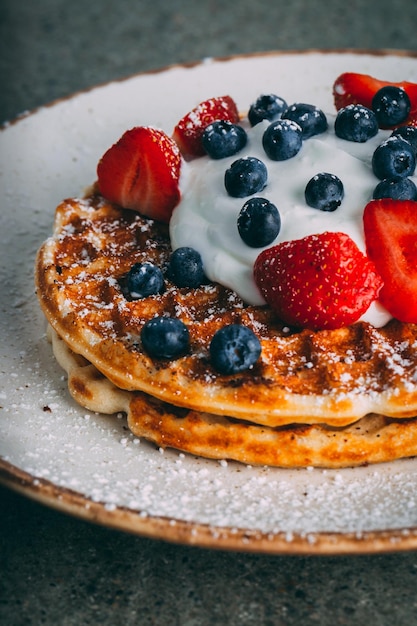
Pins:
x,y
51,48
58,570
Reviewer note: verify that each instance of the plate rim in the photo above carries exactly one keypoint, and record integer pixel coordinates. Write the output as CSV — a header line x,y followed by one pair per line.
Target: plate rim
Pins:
x,y
376,52
198,534
193,533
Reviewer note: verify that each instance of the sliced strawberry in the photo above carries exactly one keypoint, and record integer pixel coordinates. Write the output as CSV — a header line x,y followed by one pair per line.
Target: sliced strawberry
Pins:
x,y
354,88
141,172
391,242
189,130
320,282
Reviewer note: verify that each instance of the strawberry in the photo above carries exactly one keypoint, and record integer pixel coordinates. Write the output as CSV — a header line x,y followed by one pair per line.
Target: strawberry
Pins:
x,y
141,172
322,281
354,88
189,130
391,242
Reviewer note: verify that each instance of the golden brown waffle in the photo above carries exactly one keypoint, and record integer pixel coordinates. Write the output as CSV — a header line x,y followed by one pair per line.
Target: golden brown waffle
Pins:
x,y
326,377
372,439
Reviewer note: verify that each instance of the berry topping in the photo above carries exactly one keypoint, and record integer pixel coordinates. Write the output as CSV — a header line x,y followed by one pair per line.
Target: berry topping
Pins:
x,y
141,172
354,88
409,133
259,222
245,177
356,123
394,157
222,139
391,241
320,282
282,140
186,268
311,119
266,107
324,191
397,188
144,279
234,348
189,130
165,338
391,105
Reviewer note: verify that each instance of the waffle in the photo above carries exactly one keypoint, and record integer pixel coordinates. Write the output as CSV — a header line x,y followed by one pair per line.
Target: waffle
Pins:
x,y
302,377
373,438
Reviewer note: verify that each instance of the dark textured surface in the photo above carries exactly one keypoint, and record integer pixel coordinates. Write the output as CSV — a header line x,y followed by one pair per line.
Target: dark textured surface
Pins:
x,y
58,570
51,48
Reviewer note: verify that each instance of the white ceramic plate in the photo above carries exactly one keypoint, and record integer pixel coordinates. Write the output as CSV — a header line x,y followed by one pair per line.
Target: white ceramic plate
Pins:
x,y
90,465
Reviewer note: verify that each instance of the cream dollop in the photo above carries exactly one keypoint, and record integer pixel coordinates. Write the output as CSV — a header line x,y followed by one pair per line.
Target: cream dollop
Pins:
x,y
206,217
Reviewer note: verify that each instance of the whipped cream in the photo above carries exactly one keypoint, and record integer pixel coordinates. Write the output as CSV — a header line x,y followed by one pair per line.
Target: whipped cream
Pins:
x,y
206,217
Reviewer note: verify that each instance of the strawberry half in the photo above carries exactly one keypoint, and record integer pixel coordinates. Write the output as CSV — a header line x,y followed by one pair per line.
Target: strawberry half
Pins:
x,y
141,172
189,130
354,88
391,242
322,281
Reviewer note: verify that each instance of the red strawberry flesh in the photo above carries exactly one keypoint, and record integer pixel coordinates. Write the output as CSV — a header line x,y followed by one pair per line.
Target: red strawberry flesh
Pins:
x,y
391,241
189,130
319,282
355,88
141,172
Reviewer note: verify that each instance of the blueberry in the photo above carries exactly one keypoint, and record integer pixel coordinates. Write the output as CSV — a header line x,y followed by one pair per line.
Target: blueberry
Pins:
x,y
165,338
311,119
144,279
185,268
397,188
409,133
324,191
245,177
282,140
234,348
391,105
394,157
222,139
266,107
259,222
356,123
